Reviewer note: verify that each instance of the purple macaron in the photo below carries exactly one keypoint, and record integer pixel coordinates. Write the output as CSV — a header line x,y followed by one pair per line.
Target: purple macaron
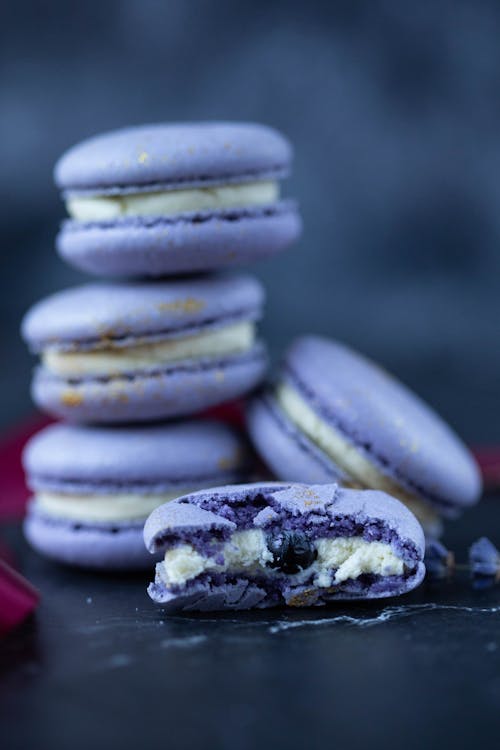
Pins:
x,y
95,486
175,198
116,352
274,544
333,415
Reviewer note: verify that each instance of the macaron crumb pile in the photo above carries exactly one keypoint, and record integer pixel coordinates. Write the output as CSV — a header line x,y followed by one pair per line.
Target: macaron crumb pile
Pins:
x,y
363,472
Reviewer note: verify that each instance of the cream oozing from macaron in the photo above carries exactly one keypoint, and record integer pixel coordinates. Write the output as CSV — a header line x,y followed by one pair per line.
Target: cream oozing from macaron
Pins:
x,y
170,202
108,360
347,456
337,560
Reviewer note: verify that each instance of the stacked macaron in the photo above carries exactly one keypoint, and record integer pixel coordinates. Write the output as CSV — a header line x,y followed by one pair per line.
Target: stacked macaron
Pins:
x,y
129,362
177,204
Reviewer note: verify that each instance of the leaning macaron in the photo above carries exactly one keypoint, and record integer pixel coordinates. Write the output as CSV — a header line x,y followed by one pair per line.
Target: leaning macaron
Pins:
x,y
265,545
175,198
334,415
95,486
140,351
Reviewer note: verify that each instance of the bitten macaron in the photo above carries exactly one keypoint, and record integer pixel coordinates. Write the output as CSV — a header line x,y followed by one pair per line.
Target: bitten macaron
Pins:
x,y
95,486
175,198
333,415
117,352
265,545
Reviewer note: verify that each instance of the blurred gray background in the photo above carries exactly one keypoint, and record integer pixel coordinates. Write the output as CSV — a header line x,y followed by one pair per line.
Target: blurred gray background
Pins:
x,y
394,110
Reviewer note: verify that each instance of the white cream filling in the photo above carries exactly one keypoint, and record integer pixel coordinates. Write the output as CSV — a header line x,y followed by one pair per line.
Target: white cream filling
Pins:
x,y
231,339
347,456
352,557
169,202
247,551
113,507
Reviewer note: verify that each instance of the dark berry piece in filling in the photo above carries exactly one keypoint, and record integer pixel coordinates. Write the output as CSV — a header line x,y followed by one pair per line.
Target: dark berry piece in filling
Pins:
x,y
292,551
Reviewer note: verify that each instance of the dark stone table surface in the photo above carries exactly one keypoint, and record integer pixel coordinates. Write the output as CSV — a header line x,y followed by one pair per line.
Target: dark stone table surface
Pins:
x,y
101,666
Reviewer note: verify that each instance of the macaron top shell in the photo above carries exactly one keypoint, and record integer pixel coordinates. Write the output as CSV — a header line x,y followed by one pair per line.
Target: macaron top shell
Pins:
x,y
173,155
93,314
182,454
404,437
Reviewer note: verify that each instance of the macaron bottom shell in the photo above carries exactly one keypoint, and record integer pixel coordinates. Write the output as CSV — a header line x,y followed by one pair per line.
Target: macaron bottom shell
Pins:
x,y
178,390
113,547
191,242
242,595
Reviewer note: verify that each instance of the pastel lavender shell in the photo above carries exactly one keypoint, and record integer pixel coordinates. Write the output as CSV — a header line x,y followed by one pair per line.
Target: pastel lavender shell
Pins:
x,y
173,155
180,389
138,459
118,546
105,460
286,450
277,507
92,314
185,243
95,315
389,424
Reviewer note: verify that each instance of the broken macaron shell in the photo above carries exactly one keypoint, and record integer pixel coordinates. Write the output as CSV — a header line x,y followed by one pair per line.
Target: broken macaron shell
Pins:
x,y
286,529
